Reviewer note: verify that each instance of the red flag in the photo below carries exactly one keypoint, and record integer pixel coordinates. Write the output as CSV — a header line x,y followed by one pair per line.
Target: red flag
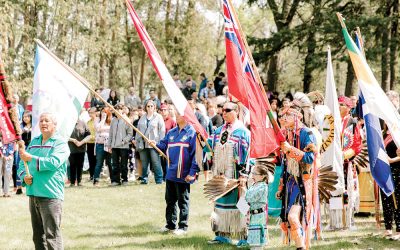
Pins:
x,y
173,91
244,87
6,127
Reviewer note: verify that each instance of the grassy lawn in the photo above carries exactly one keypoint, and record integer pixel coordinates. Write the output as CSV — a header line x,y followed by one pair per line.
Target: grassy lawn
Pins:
x,y
130,217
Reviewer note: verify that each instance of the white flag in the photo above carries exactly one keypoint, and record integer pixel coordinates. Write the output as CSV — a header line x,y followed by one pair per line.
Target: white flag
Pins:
x,y
57,91
333,154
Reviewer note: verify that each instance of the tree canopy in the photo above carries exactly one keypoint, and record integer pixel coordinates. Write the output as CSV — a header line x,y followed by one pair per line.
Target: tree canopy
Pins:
x,y
289,40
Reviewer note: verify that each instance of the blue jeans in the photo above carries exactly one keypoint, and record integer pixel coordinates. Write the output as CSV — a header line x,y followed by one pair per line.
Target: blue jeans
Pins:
x,y
150,156
16,179
101,155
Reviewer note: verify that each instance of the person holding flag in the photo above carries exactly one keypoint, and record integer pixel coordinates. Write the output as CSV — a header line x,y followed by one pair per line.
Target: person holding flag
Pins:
x,y
46,156
296,184
230,144
180,146
351,146
390,205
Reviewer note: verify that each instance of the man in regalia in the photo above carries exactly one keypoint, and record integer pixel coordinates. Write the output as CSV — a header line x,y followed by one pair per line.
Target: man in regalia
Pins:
x,y
230,146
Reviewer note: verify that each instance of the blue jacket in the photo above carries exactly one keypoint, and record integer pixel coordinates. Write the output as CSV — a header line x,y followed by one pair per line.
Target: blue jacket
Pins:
x,y
180,147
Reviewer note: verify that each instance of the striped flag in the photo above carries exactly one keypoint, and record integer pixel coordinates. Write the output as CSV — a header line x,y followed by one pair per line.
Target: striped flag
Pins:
x,y
378,159
375,104
180,102
243,85
333,154
57,91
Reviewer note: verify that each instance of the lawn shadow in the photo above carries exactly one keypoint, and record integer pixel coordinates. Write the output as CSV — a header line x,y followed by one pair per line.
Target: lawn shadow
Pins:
x,y
177,242
122,231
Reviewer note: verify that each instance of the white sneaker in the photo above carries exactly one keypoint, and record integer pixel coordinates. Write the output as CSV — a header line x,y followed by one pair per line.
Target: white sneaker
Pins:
x,y
180,232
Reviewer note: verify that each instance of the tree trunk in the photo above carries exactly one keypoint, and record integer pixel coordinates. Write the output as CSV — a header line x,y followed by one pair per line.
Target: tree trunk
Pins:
x,y
349,79
219,63
308,65
130,51
393,44
272,75
112,75
102,33
385,49
141,81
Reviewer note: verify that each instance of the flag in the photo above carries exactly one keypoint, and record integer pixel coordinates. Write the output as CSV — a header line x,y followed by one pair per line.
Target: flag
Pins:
x,y
243,85
333,154
377,103
6,127
378,159
180,102
57,91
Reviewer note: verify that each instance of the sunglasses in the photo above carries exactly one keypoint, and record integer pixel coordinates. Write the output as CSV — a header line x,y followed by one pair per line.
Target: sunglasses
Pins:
x,y
227,110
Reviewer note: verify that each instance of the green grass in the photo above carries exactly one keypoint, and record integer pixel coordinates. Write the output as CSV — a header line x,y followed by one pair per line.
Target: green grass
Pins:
x,y
130,217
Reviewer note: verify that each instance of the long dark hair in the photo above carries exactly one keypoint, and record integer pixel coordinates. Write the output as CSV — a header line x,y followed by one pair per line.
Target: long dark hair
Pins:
x,y
30,116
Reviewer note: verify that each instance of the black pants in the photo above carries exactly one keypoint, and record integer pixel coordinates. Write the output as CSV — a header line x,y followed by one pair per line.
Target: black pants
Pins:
x,y
76,165
389,211
120,164
91,158
46,221
176,192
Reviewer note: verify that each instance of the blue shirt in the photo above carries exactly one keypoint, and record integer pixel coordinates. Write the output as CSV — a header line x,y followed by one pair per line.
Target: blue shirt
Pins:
x,y
7,149
180,147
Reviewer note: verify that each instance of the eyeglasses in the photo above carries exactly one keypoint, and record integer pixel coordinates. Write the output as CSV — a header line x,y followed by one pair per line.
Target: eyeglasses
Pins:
x,y
227,110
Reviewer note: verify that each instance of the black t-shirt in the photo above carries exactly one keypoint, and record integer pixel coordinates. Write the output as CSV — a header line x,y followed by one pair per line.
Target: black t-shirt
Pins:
x,y
391,152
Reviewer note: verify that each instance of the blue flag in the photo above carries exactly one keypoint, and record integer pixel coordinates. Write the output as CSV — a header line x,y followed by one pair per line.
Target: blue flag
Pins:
x,y
378,159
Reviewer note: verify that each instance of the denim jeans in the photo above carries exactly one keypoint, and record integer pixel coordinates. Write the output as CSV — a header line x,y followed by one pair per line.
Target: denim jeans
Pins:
x,y
102,155
120,164
150,156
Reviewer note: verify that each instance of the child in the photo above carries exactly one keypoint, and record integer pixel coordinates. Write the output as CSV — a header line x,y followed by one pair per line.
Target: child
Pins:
x,y
6,161
257,197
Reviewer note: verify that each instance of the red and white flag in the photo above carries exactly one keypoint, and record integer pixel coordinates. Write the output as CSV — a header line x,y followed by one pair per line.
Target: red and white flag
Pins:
x,y
243,85
173,91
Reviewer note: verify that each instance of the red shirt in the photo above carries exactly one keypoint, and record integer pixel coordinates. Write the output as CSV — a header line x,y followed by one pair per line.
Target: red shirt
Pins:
x,y
169,124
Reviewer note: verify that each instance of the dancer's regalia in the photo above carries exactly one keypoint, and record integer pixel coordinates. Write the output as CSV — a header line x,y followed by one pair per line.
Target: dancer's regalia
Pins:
x,y
351,145
230,145
296,189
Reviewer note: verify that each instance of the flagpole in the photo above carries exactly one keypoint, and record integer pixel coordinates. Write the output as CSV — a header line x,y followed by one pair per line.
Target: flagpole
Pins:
x,y
258,78
87,85
9,95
